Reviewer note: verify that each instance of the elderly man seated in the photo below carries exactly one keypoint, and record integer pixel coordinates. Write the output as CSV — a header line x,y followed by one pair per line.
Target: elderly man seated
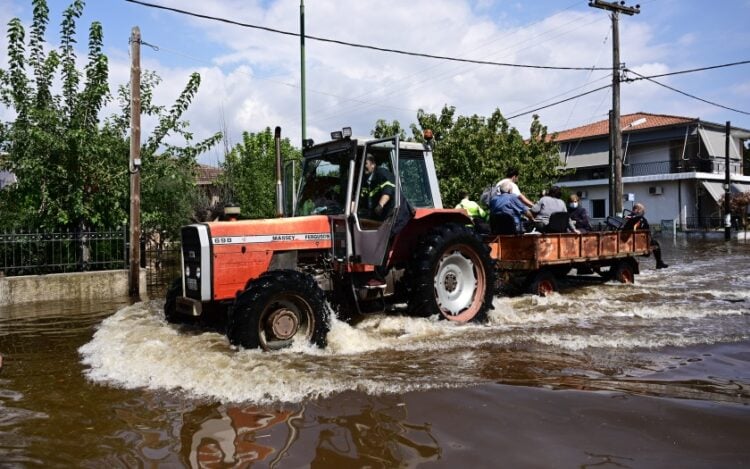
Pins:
x,y
505,202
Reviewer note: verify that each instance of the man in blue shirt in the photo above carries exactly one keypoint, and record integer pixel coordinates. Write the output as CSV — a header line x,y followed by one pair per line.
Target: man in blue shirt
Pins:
x,y
509,203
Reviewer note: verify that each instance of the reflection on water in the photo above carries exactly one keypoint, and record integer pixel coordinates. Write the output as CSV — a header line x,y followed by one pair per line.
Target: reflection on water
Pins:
x,y
114,385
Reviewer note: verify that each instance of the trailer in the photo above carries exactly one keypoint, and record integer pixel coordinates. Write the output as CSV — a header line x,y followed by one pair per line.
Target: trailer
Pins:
x,y
537,262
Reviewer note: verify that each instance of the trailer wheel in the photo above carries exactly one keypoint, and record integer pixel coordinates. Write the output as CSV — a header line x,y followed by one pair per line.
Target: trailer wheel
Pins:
x,y
451,274
623,272
170,305
277,308
543,283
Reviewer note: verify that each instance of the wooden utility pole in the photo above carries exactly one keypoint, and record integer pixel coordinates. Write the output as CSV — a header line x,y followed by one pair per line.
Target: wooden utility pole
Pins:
x,y
614,128
134,166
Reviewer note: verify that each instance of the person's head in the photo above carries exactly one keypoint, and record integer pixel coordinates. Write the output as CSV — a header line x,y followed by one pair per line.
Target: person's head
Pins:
x,y
370,164
463,195
512,173
505,187
555,192
573,201
639,209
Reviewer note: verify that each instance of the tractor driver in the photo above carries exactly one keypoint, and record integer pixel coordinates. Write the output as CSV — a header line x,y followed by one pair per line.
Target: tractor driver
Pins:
x,y
378,190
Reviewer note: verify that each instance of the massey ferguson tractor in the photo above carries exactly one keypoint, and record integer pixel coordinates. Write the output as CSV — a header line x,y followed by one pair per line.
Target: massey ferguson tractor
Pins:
x,y
334,243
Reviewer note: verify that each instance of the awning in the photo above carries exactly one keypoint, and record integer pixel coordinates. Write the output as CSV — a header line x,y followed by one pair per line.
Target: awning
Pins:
x,y
716,189
715,143
588,161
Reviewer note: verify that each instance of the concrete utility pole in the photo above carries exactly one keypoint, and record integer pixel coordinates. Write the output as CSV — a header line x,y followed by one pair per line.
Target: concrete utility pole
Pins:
x,y
134,166
614,127
302,68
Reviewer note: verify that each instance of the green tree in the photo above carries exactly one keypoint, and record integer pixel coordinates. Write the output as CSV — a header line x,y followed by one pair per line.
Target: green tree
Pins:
x,y
472,152
169,195
249,178
52,140
385,129
72,167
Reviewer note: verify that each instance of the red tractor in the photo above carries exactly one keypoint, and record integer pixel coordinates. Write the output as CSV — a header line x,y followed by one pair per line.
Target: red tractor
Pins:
x,y
365,232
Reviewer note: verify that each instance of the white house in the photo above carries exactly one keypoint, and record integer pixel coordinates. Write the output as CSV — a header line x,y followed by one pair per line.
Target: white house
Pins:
x,y
673,165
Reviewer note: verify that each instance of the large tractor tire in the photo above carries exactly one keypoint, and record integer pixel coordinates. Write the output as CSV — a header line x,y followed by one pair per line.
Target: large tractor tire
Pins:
x,y
170,305
276,308
451,274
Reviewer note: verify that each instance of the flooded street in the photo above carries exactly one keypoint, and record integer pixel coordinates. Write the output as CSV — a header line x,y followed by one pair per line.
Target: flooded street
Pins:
x,y
654,374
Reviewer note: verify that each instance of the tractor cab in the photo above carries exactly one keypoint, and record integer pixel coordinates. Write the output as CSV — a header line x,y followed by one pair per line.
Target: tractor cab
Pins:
x,y
346,179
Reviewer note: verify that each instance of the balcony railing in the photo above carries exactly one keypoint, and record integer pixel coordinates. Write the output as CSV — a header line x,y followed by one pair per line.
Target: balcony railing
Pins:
x,y
655,167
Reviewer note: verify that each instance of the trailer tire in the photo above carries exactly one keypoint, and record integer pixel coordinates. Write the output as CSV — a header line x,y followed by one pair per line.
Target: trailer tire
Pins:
x,y
170,305
276,308
451,275
623,272
542,283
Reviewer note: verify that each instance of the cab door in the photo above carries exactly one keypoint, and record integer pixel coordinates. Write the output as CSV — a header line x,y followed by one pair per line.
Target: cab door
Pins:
x,y
371,233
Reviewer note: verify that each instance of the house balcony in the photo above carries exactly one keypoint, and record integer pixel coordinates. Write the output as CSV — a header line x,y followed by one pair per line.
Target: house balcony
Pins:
x,y
655,168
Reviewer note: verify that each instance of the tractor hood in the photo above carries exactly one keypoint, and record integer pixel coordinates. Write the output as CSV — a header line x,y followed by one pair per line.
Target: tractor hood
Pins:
x,y
298,232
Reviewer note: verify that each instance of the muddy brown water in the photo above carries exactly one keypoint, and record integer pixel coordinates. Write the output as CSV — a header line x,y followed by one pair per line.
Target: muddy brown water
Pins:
x,y
655,374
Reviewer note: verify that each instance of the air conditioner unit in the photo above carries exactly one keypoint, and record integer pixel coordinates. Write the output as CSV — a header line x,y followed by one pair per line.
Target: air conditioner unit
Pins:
x,y
656,190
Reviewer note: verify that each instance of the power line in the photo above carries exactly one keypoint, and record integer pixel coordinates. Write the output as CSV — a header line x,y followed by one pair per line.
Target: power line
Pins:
x,y
560,102
712,67
352,44
692,96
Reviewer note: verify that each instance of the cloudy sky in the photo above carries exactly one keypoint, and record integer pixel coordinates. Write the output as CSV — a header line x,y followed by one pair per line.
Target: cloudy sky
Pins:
x,y
251,78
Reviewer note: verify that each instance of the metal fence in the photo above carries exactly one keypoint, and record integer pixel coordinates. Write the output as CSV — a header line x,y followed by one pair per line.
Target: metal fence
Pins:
x,y
162,263
32,252
35,252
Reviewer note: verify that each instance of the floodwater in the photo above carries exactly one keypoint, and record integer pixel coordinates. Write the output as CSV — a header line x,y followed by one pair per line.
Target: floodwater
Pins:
x,y
655,374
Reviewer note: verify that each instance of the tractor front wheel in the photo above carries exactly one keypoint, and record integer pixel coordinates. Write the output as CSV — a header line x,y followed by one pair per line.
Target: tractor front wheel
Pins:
x,y
277,308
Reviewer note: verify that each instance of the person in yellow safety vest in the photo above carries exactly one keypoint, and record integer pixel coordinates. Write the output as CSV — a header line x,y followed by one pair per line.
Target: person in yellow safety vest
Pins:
x,y
378,190
475,211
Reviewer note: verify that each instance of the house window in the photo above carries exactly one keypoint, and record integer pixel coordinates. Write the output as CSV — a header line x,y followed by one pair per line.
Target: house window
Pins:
x,y
598,208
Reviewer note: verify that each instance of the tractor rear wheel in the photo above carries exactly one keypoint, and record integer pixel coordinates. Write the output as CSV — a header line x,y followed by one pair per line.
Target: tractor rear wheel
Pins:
x,y
451,274
277,308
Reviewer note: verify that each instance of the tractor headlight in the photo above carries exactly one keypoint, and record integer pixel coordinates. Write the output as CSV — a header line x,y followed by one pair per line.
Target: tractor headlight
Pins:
x,y
187,271
197,272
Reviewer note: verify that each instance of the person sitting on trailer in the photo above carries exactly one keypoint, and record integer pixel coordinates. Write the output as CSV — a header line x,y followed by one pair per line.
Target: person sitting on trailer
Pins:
x,y
547,205
475,211
638,220
578,215
508,203
511,176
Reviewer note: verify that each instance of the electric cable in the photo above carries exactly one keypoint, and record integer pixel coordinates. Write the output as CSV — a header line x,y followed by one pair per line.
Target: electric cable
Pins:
x,y
560,102
353,44
691,96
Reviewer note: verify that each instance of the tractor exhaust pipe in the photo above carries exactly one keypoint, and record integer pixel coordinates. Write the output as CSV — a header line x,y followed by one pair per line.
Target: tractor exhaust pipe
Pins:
x,y
279,185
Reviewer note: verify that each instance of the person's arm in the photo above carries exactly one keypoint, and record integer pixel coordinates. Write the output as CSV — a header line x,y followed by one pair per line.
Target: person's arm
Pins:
x,y
382,203
525,200
537,207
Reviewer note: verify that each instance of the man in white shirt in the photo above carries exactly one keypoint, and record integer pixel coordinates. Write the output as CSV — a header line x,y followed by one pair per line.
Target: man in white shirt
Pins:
x,y
512,176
